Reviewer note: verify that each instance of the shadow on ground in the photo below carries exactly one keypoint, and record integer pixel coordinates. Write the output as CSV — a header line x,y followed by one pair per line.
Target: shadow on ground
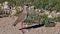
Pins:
x,y
35,26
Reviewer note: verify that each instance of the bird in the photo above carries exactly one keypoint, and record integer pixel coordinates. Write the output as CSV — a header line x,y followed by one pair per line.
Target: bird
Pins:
x,y
22,16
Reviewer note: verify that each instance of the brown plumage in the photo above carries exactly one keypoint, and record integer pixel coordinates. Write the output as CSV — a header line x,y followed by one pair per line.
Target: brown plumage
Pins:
x,y
22,16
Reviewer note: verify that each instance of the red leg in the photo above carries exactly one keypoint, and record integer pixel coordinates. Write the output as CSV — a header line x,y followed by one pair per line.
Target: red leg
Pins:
x,y
22,26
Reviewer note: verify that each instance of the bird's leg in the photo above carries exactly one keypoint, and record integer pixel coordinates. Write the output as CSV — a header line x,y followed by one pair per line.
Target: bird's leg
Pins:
x,y
22,26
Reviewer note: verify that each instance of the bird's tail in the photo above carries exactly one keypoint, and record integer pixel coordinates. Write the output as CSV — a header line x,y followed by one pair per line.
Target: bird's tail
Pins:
x,y
16,22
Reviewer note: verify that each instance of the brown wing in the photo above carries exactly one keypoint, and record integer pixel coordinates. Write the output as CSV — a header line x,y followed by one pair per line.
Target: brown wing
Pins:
x,y
20,18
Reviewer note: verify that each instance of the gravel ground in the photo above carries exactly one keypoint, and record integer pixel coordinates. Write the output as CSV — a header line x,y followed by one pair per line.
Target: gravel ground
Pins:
x,y
6,27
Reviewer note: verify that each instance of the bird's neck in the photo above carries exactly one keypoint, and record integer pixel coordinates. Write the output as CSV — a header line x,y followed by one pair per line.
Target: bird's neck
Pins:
x,y
25,9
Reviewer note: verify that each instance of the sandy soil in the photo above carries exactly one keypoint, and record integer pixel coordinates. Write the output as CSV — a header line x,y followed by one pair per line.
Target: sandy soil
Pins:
x,y
6,27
